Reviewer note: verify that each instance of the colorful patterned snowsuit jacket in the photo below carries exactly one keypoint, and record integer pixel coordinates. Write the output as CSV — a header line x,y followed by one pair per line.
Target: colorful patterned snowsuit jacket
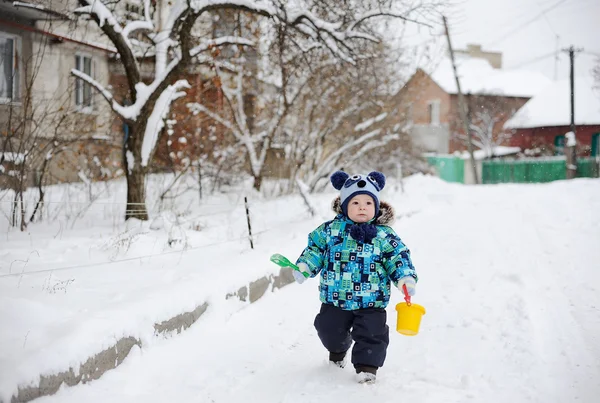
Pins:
x,y
357,275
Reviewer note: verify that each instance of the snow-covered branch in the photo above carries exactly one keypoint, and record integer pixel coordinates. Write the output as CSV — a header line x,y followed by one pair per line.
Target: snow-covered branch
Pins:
x,y
98,9
156,120
369,122
222,41
327,165
256,7
196,108
99,87
137,26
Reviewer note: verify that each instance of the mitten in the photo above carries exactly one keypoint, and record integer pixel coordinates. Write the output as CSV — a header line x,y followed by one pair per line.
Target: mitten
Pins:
x,y
299,277
410,283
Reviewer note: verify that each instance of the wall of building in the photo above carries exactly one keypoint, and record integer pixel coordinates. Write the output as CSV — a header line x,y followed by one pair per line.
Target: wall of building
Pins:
x,y
543,138
85,146
414,100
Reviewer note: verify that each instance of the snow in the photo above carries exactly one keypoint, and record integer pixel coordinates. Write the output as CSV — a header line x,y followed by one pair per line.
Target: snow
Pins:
x,y
17,158
507,276
219,42
552,106
498,151
130,161
28,5
156,121
478,76
571,140
369,122
103,13
259,5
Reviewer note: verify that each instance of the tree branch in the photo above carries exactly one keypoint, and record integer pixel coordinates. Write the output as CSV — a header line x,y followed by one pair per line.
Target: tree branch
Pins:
x,y
111,28
222,41
377,13
115,106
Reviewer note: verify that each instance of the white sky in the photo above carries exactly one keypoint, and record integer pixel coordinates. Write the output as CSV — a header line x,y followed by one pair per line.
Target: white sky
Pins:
x,y
522,32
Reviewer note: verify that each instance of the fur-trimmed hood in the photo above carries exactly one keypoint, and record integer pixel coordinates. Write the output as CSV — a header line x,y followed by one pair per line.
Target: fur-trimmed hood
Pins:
x,y
387,215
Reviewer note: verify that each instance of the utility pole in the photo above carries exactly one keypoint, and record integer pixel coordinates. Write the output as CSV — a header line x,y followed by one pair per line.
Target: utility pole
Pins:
x,y
461,106
571,138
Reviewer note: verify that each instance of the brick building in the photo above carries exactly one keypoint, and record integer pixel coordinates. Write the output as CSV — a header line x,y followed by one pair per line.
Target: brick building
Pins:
x,y
541,124
429,100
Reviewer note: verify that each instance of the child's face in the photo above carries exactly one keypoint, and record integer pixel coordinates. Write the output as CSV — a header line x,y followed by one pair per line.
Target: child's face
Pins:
x,y
361,208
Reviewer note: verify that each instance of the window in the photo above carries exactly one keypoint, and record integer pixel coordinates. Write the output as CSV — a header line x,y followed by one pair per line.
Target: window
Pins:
x,y
408,113
559,145
595,145
9,67
83,90
134,12
434,112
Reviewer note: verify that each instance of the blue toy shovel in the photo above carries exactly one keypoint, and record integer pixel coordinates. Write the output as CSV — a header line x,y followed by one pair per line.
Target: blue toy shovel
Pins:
x,y
282,261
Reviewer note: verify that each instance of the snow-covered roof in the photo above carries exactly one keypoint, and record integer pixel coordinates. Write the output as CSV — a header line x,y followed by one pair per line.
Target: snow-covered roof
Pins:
x,y
478,76
552,106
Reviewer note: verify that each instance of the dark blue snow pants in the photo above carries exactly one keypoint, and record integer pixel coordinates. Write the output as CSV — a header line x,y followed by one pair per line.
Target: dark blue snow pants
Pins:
x,y
367,327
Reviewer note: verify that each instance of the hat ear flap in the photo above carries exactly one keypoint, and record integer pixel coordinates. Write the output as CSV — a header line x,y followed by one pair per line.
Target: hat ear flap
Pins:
x,y
379,178
338,179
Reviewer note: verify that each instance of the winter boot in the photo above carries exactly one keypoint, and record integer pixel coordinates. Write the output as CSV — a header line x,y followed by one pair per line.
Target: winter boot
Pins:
x,y
366,374
338,359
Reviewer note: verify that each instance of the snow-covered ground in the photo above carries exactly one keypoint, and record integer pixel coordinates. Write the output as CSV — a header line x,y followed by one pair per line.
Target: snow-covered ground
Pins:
x,y
509,275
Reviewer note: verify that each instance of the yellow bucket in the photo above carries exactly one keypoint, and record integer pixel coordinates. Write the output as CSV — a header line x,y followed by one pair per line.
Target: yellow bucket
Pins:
x,y
409,318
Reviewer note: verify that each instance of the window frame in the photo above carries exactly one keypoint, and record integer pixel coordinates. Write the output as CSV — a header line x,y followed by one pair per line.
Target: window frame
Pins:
x,y
595,145
79,91
16,67
560,143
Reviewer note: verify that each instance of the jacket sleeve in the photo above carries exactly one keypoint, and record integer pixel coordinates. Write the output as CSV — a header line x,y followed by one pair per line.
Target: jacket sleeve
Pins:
x,y
314,255
396,259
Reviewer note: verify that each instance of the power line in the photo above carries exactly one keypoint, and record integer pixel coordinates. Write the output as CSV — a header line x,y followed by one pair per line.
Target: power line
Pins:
x,y
519,27
536,59
590,53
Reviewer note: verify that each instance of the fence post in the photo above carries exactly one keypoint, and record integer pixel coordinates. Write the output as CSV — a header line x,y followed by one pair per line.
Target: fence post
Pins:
x,y
248,219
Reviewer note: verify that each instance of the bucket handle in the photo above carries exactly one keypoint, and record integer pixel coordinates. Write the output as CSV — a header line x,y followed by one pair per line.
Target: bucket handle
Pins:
x,y
406,296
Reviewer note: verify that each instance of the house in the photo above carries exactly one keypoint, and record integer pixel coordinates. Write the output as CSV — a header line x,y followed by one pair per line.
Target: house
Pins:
x,y
541,124
429,100
71,139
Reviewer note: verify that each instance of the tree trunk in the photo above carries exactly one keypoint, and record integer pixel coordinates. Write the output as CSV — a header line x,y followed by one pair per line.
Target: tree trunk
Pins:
x,y
258,181
135,175
136,194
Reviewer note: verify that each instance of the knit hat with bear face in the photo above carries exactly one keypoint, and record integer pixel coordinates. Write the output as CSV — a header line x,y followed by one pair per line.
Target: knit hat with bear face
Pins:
x,y
350,186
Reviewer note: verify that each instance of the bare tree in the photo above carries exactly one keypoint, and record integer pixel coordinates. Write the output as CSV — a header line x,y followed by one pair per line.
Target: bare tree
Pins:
x,y
262,96
170,36
344,116
31,139
486,116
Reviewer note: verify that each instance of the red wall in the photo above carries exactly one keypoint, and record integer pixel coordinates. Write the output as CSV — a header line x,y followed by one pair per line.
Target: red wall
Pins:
x,y
543,138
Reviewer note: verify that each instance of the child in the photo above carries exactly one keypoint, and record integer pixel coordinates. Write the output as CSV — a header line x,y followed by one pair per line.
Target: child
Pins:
x,y
358,255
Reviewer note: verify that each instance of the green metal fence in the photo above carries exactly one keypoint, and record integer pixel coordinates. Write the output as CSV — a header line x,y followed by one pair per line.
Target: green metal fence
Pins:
x,y
448,168
588,167
535,170
531,170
